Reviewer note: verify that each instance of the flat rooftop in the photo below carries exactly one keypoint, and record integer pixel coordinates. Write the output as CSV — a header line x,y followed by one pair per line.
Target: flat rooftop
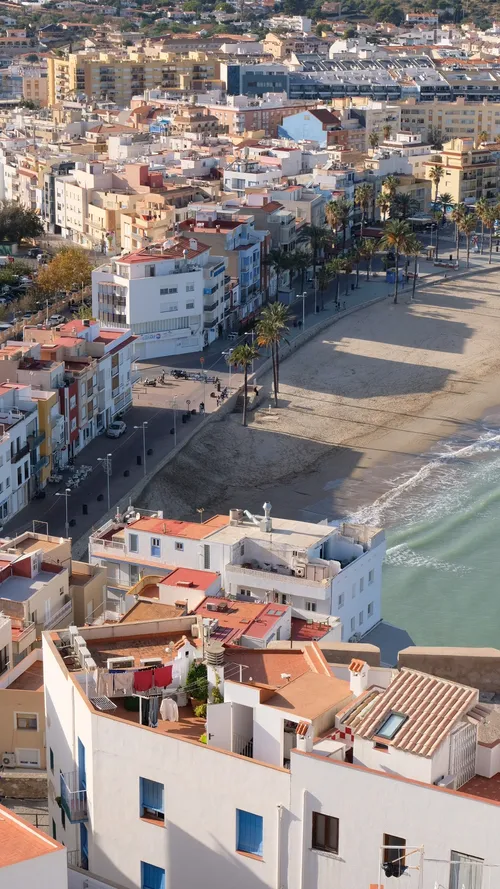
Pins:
x,y
311,695
18,589
190,578
151,611
174,528
284,531
138,647
264,665
308,630
31,543
189,726
31,679
19,841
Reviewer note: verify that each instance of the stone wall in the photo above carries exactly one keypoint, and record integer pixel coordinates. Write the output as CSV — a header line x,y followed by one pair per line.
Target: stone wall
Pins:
x,y
478,667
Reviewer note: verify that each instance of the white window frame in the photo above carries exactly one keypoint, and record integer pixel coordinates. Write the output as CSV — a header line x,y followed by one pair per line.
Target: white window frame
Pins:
x,y
25,713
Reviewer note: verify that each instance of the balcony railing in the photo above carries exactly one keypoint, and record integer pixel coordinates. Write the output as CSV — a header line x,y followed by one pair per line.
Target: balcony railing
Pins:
x,y
20,453
59,615
40,464
73,799
29,630
34,441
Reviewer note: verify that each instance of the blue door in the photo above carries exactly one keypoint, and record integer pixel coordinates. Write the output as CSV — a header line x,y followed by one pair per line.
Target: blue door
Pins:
x,y
84,847
82,776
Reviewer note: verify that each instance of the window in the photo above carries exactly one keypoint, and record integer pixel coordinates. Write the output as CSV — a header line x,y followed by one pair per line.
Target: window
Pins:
x,y
190,305
394,851
155,546
63,818
310,606
26,471
151,799
361,618
249,832
7,483
165,290
340,600
133,543
353,624
19,476
189,288
83,388
51,759
371,576
391,725
353,591
370,609
27,721
206,557
179,546
325,833
152,877
361,585
466,872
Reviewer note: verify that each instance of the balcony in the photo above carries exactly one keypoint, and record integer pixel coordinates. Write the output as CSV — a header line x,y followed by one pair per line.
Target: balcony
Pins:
x,y
97,544
34,441
39,464
20,453
62,614
265,579
23,635
73,798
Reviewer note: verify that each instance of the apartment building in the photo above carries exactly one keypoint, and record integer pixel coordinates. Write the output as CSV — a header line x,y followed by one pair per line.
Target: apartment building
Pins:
x,y
121,74
35,88
469,173
159,293
319,773
305,203
29,857
451,120
22,712
317,569
373,116
243,174
243,114
35,590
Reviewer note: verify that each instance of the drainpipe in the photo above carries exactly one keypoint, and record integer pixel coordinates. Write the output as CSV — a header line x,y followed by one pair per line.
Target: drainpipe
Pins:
x,y
278,847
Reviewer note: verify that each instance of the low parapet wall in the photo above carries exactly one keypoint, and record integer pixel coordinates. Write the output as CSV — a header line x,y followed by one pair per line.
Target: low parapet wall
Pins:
x,y
479,667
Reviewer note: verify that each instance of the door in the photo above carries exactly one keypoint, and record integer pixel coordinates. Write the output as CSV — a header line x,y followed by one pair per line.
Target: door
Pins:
x,y
219,726
134,575
28,757
90,609
82,775
84,847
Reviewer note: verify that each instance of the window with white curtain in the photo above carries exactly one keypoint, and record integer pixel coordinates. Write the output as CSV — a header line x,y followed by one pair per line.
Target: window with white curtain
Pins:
x,y
466,871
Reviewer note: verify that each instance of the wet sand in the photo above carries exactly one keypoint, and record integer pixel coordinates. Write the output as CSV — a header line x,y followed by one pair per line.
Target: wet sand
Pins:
x,y
373,391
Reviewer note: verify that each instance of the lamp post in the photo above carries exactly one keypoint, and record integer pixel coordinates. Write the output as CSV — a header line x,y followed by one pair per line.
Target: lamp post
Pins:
x,y
227,356
202,362
174,406
143,427
304,297
108,468
66,493
315,295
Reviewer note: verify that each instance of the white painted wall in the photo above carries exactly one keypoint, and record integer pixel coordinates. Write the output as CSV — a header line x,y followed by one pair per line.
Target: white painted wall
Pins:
x,y
45,872
398,762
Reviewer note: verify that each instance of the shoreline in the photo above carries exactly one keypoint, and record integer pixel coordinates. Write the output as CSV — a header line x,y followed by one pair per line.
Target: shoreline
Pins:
x,y
369,393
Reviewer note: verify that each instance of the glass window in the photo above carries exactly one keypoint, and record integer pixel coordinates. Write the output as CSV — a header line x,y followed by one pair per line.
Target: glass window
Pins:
x,y
51,759
310,606
361,585
151,793
249,832
371,576
370,609
155,546
133,543
28,721
341,600
152,877
391,725
325,833
179,546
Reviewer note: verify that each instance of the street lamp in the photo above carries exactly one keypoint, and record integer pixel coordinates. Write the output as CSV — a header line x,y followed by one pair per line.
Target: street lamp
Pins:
x,y
174,407
143,427
107,466
227,356
66,493
304,297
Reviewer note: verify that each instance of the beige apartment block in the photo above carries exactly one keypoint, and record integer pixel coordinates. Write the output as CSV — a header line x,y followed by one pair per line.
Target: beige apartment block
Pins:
x,y
35,89
451,120
469,173
22,715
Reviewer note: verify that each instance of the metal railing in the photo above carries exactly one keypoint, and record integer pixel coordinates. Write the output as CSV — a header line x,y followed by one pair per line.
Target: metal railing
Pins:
x,y
20,453
73,798
29,628
58,615
242,746
35,440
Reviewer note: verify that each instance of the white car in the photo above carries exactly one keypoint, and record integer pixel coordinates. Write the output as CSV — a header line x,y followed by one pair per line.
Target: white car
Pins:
x,y
54,320
116,429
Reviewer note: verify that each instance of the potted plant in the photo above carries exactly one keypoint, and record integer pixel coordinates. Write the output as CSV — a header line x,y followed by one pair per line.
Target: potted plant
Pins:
x,y
197,684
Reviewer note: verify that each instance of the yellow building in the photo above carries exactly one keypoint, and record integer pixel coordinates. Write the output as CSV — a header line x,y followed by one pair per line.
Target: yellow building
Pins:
x,y
121,74
451,120
35,88
469,173
48,416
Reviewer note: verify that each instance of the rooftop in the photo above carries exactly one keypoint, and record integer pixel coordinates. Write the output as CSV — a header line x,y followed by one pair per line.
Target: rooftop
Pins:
x,y
284,531
152,610
31,679
173,528
180,248
236,618
309,630
311,695
19,841
29,543
138,647
264,665
190,577
18,589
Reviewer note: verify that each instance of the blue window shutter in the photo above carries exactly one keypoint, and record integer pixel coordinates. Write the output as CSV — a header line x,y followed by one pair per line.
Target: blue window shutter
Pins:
x,y
82,776
151,794
152,877
249,832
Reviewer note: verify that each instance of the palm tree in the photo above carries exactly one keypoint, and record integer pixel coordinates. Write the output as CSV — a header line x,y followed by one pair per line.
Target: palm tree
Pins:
x,y
395,238
458,214
368,249
271,329
490,218
363,197
280,261
317,236
338,214
373,140
390,186
324,278
356,256
334,269
413,248
384,204
243,356
347,265
482,137
386,132
403,205
468,227
435,175
446,203
481,210
301,261
437,216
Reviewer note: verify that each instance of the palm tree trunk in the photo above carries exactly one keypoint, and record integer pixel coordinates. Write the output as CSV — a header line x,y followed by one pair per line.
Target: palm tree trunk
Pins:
x,y
491,245
397,276
275,378
414,278
468,249
458,244
337,295
344,236
346,283
277,347
245,394
437,240
362,223
357,275
482,235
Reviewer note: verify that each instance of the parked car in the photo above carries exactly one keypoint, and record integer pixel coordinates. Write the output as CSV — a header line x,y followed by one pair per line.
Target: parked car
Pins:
x,y
115,429
27,316
34,252
54,320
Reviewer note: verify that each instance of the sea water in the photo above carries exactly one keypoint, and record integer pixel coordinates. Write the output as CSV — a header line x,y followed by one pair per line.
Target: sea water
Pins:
x,y
442,571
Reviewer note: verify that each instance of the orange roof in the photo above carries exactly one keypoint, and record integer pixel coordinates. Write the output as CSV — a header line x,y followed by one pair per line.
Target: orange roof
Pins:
x,y
176,251
19,841
173,528
191,578
238,618
356,666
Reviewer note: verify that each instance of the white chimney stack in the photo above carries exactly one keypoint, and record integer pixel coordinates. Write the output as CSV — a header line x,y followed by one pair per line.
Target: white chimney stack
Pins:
x,y
358,675
305,737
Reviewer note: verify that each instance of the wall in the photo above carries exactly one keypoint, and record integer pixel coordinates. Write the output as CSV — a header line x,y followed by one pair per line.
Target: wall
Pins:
x,y
392,760
355,602
370,804
13,740
44,872
479,667
82,879
86,596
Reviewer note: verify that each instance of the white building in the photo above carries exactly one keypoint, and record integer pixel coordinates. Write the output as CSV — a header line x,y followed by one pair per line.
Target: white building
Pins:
x,y
29,857
316,568
299,23
302,778
159,293
244,173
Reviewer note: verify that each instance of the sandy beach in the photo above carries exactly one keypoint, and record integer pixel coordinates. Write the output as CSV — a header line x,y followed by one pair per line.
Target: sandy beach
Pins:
x,y
375,387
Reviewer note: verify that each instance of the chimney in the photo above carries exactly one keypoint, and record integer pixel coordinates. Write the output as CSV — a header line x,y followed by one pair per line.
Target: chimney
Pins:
x,y
267,524
305,737
358,675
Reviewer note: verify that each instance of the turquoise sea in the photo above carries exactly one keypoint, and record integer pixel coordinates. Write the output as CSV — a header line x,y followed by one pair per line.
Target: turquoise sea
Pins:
x,y
442,519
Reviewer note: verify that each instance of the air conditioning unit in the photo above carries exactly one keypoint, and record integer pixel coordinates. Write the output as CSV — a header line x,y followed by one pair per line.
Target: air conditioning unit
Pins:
x,y
9,760
83,654
73,631
118,663
78,642
300,571
90,664
151,662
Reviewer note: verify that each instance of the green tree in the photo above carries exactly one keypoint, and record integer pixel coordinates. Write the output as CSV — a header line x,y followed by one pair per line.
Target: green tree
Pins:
x,y
280,261
317,236
481,209
271,330
445,201
373,140
69,268
368,248
301,260
363,198
17,223
384,204
390,186
243,356
386,132
395,238
436,173
324,278
491,217
335,269
84,313
468,227
338,214
458,214
403,206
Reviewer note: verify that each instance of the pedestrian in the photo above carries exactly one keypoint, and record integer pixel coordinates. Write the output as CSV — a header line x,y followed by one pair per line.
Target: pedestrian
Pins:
x,y
255,390
218,401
